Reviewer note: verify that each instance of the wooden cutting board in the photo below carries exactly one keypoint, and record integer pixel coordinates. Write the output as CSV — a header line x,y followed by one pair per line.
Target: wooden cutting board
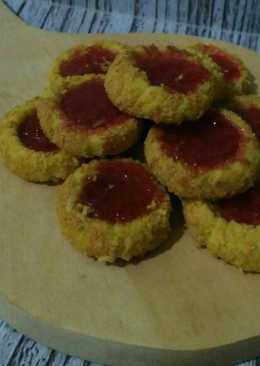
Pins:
x,y
179,306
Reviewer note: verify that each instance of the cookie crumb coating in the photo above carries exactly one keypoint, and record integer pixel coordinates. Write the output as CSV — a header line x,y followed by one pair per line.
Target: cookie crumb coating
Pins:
x,y
102,239
98,142
224,180
237,78
130,89
29,164
248,108
235,243
99,62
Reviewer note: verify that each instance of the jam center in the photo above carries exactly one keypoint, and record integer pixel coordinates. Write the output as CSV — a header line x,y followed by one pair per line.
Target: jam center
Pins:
x,y
243,208
206,143
120,192
32,136
226,63
171,68
252,117
87,106
95,59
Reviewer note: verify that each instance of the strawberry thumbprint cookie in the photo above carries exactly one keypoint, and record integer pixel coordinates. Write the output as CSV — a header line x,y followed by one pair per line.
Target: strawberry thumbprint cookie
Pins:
x,y
113,209
237,79
27,152
248,107
88,58
229,228
81,120
214,158
166,85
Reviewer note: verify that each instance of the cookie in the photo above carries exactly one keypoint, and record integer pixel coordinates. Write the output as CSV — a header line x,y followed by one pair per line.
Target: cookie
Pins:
x,y
237,79
113,209
81,120
248,107
214,158
166,85
86,58
229,228
27,152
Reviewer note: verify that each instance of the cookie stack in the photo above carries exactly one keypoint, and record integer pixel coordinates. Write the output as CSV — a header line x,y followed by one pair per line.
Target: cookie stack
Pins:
x,y
202,145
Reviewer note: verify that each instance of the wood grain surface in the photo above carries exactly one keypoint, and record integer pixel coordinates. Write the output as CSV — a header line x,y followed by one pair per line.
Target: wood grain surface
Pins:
x,y
236,21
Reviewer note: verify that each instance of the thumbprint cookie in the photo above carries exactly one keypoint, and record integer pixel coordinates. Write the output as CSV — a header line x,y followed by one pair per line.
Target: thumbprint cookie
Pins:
x,y
214,158
81,120
111,209
26,150
248,107
237,79
166,85
88,58
229,228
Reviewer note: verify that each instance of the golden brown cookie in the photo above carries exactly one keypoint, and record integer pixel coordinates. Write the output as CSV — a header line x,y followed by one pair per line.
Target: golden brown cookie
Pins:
x,y
81,119
166,85
111,209
237,79
248,107
87,58
214,158
27,152
230,228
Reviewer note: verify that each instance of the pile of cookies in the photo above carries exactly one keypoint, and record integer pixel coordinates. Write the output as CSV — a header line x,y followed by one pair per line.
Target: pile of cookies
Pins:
x,y
201,145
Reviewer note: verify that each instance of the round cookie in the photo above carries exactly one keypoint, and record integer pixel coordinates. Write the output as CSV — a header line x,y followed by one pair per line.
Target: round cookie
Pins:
x,y
230,228
27,152
248,107
237,79
214,158
81,119
110,209
88,58
167,85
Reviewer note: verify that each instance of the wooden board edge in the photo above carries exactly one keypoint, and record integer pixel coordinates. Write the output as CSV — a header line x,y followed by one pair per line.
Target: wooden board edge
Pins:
x,y
121,354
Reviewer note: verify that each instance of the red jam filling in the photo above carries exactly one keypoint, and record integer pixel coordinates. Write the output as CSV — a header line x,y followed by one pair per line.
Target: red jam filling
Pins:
x,y
95,59
88,107
252,117
243,208
227,64
171,68
206,143
120,192
32,136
